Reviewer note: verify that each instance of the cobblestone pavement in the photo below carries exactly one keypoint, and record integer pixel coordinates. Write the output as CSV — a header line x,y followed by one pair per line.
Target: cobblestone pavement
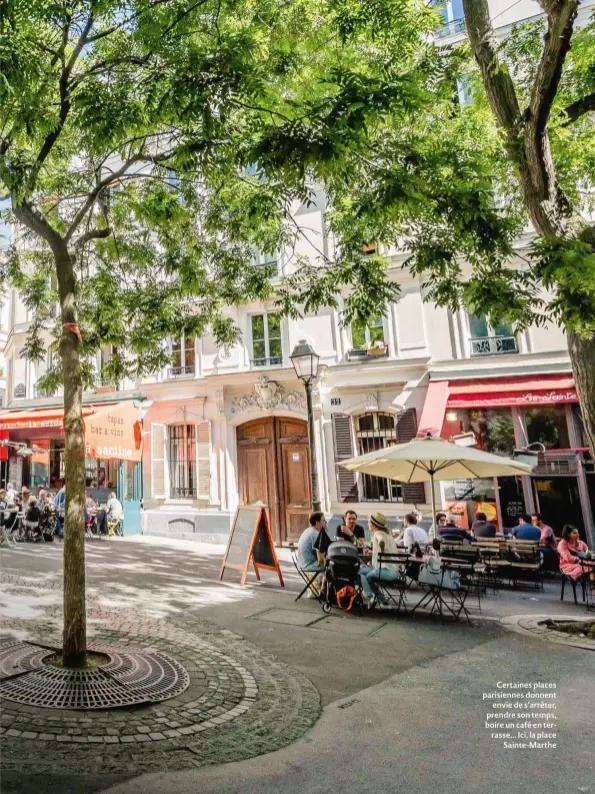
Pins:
x,y
241,701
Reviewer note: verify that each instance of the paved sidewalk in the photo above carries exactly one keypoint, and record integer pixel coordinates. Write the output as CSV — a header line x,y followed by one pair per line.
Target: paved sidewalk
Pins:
x,y
421,732
167,594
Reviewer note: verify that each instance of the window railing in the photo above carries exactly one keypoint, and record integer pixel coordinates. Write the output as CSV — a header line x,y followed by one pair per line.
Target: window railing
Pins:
x,y
178,372
452,28
272,361
493,345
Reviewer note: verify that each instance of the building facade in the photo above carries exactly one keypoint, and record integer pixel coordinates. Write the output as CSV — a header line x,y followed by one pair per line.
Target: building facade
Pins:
x,y
227,427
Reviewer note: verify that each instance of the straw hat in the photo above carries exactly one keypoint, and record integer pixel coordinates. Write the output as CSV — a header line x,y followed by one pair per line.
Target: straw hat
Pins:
x,y
379,521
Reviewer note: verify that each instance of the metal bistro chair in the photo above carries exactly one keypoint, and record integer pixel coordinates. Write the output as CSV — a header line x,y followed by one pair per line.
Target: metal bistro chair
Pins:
x,y
309,577
394,591
573,583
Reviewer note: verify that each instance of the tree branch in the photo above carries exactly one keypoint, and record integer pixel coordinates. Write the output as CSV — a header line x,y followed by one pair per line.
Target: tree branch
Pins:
x,y
496,78
561,15
579,108
92,234
53,136
29,217
92,196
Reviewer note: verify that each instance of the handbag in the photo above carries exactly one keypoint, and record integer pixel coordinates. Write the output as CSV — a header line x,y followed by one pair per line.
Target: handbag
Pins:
x,y
432,573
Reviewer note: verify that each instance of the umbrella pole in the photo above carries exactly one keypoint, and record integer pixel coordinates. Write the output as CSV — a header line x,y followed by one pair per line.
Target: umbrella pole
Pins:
x,y
433,504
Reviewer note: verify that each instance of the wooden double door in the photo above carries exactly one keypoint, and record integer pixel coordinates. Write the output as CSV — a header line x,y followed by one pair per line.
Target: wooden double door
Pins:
x,y
274,468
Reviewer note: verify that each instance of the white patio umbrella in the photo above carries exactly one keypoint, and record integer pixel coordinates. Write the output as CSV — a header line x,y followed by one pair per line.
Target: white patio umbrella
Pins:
x,y
429,459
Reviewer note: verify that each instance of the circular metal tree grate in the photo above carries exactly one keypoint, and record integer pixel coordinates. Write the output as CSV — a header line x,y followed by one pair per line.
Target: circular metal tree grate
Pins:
x,y
129,678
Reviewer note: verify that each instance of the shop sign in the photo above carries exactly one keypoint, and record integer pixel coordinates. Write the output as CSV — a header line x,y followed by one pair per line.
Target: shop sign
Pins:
x,y
505,399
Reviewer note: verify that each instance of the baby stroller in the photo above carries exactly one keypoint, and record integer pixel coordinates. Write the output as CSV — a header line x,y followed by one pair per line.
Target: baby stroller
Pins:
x,y
343,586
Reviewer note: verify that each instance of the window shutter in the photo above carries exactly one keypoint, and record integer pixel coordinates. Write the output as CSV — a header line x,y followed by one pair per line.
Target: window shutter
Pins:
x,y
158,461
343,443
406,425
413,493
203,453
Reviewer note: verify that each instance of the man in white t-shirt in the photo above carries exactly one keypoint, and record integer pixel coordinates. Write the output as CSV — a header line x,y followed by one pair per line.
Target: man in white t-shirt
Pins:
x,y
413,533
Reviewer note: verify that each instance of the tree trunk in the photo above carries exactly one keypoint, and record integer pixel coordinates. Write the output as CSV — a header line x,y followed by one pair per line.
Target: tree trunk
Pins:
x,y
582,357
75,619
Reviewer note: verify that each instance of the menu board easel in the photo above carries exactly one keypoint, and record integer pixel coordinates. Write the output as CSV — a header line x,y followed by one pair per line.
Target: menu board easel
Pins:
x,y
251,542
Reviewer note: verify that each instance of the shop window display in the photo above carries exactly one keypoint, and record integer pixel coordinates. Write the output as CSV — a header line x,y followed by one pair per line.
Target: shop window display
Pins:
x,y
547,425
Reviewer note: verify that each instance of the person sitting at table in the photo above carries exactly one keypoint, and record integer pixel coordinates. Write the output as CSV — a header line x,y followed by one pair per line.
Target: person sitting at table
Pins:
x,y
90,514
548,545
47,522
310,557
382,543
525,529
351,530
482,528
548,538
448,530
413,534
32,517
574,560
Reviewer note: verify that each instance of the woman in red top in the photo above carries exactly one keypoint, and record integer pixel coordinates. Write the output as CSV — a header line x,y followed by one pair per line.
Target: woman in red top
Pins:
x,y
569,561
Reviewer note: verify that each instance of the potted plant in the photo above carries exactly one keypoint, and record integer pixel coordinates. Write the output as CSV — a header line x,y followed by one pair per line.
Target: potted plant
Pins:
x,y
378,348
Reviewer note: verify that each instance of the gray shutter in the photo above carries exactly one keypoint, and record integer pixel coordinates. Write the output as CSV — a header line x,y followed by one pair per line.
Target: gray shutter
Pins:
x,y
158,485
343,444
413,493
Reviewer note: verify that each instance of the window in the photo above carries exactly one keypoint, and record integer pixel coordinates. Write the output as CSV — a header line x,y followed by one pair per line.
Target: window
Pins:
x,y
266,340
547,425
367,335
182,461
488,341
183,357
270,262
493,429
377,431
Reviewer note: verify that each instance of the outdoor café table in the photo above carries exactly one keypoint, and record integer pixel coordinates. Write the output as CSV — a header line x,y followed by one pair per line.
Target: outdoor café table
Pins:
x,y
434,595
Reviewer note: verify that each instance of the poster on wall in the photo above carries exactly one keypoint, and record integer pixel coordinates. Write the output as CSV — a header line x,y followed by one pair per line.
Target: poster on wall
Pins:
x,y
490,510
457,512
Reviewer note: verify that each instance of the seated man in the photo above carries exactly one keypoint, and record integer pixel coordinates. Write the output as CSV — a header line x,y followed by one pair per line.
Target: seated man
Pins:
x,y
310,557
448,530
526,530
482,528
307,557
414,534
115,510
351,530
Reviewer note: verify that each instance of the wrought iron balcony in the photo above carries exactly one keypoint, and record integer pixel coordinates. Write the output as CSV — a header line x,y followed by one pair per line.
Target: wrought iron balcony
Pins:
x,y
452,28
493,345
273,361
180,372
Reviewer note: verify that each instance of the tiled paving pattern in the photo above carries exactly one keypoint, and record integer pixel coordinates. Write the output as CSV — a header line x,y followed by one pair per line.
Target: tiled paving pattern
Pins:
x,y
241,701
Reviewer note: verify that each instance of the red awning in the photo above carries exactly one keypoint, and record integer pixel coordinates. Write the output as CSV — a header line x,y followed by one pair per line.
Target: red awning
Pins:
x,y
112,430
504,392
432,415
35,418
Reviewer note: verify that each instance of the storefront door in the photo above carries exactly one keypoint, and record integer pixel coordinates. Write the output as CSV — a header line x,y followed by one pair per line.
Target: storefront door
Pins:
x,y
274,469
129,492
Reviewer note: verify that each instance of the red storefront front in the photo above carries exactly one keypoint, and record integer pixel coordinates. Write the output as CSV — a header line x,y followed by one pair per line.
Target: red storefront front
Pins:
x,y
507,413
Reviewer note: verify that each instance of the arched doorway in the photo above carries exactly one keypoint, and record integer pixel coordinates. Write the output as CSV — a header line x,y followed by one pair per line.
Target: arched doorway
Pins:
x,y
274,468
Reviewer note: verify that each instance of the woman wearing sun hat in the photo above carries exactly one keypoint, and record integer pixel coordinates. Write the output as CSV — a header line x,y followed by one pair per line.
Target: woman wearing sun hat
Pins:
x,y
382,543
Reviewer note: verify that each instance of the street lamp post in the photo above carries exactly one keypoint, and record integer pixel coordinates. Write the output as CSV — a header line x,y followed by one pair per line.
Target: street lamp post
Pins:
x,y
305,362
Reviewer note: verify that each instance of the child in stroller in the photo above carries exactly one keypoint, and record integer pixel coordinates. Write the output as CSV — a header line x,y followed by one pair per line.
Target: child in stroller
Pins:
x,y
343,585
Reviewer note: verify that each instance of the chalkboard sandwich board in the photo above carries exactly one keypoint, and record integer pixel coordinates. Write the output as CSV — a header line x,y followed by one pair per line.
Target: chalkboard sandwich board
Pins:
x,y
251,541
